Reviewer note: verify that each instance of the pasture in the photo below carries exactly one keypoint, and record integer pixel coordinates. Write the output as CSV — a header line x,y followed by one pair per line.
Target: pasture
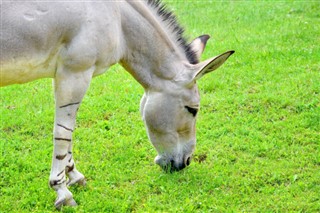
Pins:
x,y
258,141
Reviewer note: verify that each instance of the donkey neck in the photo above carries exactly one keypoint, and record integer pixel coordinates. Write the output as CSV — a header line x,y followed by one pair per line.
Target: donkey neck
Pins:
x,y
151,55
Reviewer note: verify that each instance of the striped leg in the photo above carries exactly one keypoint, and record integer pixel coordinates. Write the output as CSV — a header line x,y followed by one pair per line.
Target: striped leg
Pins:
x,y
70,88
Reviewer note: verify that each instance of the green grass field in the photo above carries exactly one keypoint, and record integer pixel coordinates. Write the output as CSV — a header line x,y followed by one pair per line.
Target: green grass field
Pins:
x,y
258,129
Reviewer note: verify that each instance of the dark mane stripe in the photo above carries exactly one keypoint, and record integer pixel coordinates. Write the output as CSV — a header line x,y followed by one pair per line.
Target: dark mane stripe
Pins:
x,y
169,18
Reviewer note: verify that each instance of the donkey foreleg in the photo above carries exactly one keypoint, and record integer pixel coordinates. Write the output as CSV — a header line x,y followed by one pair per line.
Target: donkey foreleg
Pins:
x,y
70,88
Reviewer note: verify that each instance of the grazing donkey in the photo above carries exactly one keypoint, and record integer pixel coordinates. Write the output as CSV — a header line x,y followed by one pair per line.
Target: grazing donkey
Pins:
x,y
72,42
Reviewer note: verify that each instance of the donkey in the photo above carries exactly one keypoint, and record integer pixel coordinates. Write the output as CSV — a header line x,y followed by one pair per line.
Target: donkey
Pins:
x,y
72,42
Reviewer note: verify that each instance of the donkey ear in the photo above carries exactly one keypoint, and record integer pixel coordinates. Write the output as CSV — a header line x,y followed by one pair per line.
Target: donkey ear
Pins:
x,y
198,45
210,65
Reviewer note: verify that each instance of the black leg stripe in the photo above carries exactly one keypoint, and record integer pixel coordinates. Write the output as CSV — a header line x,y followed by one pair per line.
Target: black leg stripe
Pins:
x,y
63,139
60,172
66,128
56,182
69,104
62,182
69,168
61,157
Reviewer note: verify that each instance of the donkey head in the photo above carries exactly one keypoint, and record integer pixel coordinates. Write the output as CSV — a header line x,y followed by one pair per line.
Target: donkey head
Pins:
x,y
170,114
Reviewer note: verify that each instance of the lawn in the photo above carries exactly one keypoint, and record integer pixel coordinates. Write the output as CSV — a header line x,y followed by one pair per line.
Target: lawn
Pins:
x,y
258,129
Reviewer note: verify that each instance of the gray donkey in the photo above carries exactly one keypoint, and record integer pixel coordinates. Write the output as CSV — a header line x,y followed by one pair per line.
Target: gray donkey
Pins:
x,y
72,42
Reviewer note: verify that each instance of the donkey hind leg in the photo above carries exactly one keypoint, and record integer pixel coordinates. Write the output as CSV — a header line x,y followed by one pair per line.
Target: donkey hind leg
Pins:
x,y
70,88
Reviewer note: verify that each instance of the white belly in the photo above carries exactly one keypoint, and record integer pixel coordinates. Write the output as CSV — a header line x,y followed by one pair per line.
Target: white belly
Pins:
x,y
26,70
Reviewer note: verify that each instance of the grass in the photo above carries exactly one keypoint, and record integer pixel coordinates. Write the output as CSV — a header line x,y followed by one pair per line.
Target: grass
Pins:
x,y
258,129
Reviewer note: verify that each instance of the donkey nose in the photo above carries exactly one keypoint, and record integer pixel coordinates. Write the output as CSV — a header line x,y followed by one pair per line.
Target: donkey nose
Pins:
x,y
177,166
172,165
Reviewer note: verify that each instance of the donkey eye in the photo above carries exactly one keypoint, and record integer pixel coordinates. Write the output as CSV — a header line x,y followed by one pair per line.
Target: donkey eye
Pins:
x,y
193,111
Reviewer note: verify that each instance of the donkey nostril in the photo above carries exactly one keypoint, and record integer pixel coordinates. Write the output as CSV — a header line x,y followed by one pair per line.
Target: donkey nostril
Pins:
x,y
188,161
172,163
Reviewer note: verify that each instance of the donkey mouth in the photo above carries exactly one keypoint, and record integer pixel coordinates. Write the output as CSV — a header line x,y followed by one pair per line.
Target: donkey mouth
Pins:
x,y
173,166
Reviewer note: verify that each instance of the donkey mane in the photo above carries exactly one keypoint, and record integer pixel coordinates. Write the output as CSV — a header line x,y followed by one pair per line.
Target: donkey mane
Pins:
x,y
170,20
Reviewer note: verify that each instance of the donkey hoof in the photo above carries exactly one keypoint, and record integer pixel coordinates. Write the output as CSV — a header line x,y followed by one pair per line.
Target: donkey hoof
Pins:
x,y
64,202
64,198
58,204
81,181
70,202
